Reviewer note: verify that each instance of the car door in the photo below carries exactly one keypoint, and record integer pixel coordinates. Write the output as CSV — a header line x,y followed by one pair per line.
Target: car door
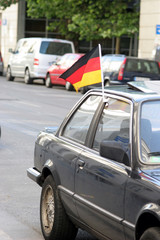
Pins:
x,y
65,63
19,58
59,68
70,145
14,63
100,183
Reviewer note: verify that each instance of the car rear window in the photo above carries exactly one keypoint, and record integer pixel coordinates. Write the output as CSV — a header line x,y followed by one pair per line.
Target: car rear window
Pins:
x,y
110,63
142,66
55,48
115,65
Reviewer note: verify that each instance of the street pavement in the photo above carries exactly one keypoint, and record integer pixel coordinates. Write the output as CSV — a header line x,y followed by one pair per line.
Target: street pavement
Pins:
x,y
24,111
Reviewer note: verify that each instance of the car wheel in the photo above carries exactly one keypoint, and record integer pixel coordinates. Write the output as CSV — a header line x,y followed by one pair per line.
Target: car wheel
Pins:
x,y
83,90
27,78
55,223
48,81
107,83
151,234
68,86
9,74
44,81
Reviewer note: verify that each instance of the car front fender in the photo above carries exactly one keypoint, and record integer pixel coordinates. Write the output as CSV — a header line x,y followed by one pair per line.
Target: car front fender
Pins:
x,y
50,169
149,216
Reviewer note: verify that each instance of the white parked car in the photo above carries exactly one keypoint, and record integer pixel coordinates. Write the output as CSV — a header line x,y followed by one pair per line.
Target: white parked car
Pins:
x,y
33,56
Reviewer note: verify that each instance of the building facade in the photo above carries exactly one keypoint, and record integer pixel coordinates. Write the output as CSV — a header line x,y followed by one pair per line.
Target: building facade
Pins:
x,y
149,29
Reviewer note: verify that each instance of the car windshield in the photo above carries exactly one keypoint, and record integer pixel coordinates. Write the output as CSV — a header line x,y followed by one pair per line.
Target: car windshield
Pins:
x,y
150,132
55,48
68,60
142,66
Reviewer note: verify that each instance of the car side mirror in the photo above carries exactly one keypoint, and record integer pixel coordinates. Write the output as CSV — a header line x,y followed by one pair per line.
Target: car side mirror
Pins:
x,y
114,151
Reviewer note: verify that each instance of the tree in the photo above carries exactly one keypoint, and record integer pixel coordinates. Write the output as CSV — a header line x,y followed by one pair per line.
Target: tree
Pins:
x,y
6,3
88,19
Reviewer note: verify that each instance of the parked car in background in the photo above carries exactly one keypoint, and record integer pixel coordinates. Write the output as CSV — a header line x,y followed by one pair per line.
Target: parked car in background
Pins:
x,y
100,170
136,69
53,73
32,57
110,64
120,69
1,65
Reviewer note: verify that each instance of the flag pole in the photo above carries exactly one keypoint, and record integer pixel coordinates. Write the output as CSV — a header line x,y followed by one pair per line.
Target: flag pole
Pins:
x,y
100,56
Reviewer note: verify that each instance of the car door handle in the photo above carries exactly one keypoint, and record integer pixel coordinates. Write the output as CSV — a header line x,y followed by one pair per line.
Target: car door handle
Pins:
x,y
80,164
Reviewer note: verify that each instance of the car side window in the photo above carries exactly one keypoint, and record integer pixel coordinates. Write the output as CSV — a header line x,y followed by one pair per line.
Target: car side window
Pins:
x,y
114,123
32,47
18,46
24,47
77,127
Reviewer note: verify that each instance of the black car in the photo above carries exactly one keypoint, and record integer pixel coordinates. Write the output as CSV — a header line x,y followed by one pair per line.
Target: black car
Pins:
x,y
136,69
100,170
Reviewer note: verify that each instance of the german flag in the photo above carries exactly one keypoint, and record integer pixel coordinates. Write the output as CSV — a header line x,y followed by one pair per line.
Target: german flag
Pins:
x,y
86,71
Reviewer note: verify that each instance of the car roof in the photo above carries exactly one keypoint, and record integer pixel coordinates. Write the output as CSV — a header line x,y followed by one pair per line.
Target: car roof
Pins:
x,y
73,54
113,56
47,39
135,91
141,59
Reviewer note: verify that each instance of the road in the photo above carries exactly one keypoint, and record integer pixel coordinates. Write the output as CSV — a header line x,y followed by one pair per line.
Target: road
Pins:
x,y
24,111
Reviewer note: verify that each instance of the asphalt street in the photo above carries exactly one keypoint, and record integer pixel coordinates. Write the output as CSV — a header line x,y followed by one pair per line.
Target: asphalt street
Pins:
x,y
24,111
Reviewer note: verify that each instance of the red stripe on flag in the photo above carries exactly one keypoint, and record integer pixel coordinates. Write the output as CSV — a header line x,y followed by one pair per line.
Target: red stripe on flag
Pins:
x,y
93,64
85,71
76,76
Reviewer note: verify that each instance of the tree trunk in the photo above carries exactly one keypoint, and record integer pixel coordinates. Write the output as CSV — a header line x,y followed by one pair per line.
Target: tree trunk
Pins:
x,y
117,45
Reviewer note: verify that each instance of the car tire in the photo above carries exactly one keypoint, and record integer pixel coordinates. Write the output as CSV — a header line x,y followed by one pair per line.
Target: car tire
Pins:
x,y
27,78
48,81
68,86
83,90
55,224
107,83
9,74
151,234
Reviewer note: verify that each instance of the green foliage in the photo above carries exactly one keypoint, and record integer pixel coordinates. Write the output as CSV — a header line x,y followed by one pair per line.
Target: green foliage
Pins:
x,y
86,19
6,3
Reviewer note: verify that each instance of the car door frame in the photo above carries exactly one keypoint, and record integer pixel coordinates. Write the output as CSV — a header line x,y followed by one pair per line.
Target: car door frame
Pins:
x,y
100,213
67,195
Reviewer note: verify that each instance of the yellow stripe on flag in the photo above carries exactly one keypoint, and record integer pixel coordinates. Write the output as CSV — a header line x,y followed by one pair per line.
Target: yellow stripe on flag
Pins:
x,y
88,78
